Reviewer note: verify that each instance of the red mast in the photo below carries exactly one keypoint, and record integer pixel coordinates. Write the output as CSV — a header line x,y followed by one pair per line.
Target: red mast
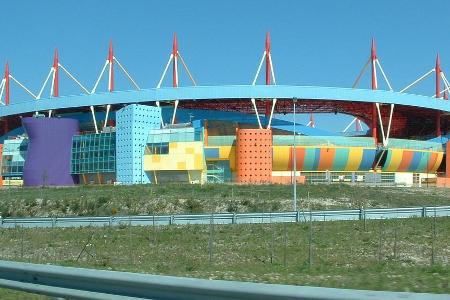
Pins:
x,y
6,84
268,65
111,66
373,57
55,91
268,73
175,61
438,94
438,76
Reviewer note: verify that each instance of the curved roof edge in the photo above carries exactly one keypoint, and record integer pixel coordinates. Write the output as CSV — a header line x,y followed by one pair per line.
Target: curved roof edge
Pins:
x,y
227,92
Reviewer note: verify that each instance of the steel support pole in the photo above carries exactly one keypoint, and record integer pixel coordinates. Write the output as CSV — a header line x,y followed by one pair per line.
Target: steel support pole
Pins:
x,y
294,159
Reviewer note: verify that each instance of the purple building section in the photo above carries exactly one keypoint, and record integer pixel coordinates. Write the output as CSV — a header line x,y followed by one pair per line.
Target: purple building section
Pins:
x,y
49,151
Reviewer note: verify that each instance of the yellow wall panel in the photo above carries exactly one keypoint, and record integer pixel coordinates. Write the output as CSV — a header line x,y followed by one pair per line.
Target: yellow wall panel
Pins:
x,y
354,158
229,153
198,161
182,156
281,158
438,162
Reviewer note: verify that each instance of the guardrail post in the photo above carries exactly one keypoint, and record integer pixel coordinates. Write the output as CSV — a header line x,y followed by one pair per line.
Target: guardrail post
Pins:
x,y
53,222
424,212
361,213
297,216
171,219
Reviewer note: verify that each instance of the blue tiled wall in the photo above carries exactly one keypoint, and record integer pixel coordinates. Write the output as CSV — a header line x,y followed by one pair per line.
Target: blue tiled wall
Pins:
x,y
133,124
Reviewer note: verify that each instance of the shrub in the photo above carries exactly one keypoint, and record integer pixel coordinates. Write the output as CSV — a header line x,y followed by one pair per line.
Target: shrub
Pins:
x,y
193,206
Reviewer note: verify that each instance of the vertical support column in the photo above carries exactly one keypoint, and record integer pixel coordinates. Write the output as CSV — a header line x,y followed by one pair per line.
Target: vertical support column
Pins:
x,y
373,57
438,124
374,123
438,94
55,92
6,84
5,126
358,125
205,126
311,121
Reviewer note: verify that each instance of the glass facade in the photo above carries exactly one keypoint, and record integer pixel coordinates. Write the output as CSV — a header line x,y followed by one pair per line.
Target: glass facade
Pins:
x,y
170,135
93,153
13,157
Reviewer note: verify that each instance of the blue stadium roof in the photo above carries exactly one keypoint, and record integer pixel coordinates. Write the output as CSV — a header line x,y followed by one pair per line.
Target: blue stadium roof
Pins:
x,y
224,93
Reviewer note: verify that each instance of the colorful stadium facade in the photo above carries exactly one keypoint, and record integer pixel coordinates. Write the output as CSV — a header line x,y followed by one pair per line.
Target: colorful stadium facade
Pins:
x,y
203,134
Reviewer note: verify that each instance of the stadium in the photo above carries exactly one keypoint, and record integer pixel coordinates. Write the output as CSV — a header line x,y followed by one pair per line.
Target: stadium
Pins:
x,y
221,134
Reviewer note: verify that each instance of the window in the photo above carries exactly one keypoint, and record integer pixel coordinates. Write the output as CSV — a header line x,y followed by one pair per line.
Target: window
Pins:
x,y
159,148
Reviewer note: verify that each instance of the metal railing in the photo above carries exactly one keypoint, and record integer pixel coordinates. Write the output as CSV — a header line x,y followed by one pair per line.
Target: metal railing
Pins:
x,y
77,283
229,218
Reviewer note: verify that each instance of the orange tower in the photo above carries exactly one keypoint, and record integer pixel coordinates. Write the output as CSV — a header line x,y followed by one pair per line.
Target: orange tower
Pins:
x,y
254,155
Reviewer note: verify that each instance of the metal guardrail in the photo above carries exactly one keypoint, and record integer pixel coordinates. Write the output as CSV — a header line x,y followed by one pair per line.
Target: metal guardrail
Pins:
x,y
77,283
229,218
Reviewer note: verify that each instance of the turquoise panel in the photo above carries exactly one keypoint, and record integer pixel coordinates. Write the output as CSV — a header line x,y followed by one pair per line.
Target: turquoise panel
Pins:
x,y
308,163
340,159
288,140
422,165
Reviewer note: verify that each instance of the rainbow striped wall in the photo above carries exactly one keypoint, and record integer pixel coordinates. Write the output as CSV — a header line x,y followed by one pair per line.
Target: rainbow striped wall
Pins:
x,y
401,160
351,159
324,158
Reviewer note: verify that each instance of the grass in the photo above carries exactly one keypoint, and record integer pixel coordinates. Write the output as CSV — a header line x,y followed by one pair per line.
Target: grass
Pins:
x,y
393,255
185,198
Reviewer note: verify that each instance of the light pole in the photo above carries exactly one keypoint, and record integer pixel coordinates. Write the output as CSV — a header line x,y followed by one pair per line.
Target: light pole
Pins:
x,y
142,163
294,160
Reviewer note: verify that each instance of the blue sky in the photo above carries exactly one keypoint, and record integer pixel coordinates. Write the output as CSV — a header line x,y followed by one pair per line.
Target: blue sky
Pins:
x,y
313,42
